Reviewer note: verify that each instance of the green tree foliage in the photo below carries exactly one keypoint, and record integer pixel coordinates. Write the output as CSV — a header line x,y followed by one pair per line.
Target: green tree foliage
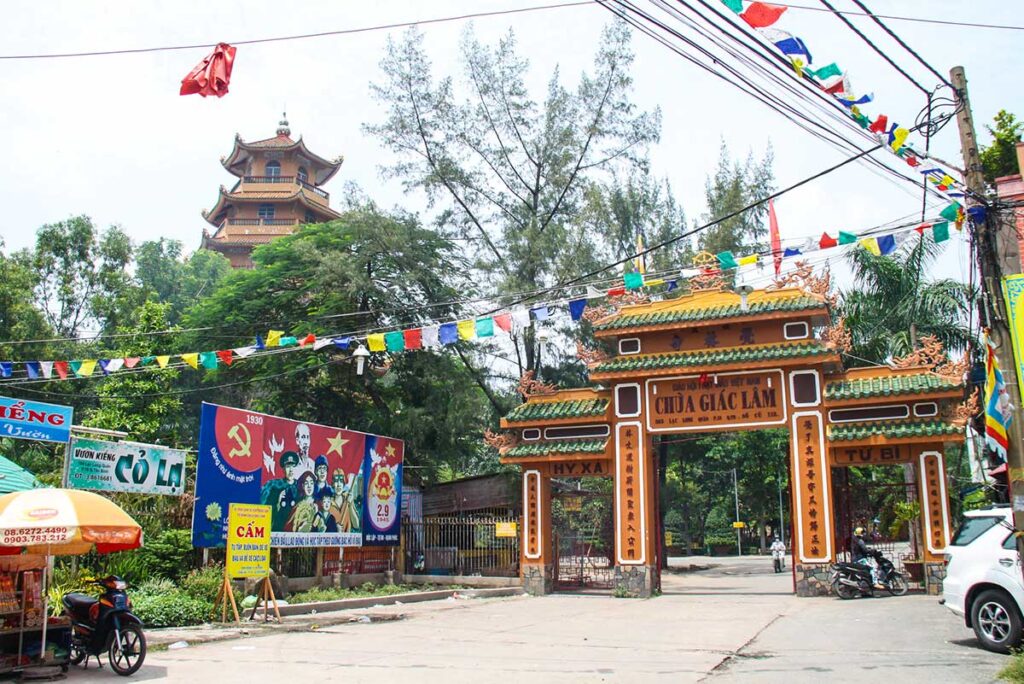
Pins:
x,y
1000,158
163,273
20,319
82,275
509,172
734,186
893,296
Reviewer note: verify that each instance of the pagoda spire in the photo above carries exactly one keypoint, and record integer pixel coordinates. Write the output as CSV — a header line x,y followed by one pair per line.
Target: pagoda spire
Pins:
x,y
282,125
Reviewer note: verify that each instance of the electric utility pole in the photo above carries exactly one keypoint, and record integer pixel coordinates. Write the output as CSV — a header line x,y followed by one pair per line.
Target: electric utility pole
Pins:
x,y
736,493
998,256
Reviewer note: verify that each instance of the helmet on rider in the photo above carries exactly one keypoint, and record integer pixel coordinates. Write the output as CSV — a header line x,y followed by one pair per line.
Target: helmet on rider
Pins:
x,y
859,531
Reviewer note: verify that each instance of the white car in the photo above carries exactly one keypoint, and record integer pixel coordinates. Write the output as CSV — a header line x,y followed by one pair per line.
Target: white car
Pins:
x,y
983,581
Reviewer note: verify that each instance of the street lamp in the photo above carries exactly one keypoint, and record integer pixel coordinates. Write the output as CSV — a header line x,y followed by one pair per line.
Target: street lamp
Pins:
x,y
361,354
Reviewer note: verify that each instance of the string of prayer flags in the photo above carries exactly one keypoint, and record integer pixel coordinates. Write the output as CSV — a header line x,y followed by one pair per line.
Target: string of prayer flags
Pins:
x,y
84,368
343,343
467,330
32,368
651,282
288,342
62,369
726,260
747,260
448,334
322,342
847,238
827,241
871,244
47,368
394,341
430,336
191,359
541,312
633,280
131,361
225,356
954,213
504,322
789,45
274,338
208,359
6,368
245,352
761,14
308,339
260,344
940,231
102,363
163,359
413,339
887,245
212,75
521,318
616,291
485,327
375,342
576,308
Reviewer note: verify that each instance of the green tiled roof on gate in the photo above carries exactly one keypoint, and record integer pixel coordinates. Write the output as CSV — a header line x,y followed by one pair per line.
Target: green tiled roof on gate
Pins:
x,y
888,385
925,428
550,410
573,446
704,314
713,357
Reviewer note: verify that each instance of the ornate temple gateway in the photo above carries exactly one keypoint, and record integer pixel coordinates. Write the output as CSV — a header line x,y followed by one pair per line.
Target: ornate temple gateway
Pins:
x,y
715,360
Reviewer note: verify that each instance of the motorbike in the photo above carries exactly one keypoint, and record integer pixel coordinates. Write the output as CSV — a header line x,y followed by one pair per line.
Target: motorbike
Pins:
x,y
106,624
850,580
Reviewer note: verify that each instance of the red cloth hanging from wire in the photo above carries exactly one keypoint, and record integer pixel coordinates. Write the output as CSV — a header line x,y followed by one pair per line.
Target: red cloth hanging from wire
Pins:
x,y
212,75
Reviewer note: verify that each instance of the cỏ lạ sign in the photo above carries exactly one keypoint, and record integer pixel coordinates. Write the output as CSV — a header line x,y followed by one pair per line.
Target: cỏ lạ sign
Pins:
x,y
125,467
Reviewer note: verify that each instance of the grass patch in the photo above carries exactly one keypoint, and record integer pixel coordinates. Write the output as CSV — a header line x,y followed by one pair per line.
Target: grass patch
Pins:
x,y
1014,670
317,594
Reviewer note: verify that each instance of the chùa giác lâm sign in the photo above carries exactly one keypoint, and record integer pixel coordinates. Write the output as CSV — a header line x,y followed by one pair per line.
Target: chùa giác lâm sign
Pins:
x,y
702,402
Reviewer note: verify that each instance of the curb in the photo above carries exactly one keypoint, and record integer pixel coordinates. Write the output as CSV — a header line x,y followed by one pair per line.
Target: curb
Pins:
x,y
411,597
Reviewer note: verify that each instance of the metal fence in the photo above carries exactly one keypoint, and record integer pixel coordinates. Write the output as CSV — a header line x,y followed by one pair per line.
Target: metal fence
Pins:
x,y
462,546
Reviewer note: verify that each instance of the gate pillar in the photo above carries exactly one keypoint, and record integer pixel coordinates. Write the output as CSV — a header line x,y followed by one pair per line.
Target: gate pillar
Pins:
x,y
635,507
811,484
930,464
537,553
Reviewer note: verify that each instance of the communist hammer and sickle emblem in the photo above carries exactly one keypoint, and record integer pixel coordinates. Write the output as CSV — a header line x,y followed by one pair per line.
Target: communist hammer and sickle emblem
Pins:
x,y
243,440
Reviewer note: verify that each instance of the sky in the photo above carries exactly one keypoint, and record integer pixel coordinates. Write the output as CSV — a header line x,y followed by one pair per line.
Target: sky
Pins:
x,y
111,138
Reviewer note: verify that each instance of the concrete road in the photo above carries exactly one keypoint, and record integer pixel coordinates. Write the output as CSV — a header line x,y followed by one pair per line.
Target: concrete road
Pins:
x,y
737,621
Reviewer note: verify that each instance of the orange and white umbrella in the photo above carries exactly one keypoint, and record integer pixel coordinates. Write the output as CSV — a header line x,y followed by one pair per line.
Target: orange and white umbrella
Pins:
x,y
64,522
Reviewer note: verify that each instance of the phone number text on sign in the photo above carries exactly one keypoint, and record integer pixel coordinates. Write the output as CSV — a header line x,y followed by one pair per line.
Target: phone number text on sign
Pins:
x,y
39,535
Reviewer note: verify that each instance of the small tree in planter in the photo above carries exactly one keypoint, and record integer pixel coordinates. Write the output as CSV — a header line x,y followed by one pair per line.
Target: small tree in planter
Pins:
x,y
908,513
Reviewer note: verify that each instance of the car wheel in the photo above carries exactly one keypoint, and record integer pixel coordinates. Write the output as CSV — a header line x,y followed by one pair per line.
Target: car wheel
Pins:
x,y
996,621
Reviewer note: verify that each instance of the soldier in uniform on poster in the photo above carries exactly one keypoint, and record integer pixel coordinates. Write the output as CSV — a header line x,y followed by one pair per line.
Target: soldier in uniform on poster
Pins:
x,y
281,494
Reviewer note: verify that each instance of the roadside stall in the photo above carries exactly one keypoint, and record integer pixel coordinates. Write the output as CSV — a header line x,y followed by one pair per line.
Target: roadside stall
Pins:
x,y
34,526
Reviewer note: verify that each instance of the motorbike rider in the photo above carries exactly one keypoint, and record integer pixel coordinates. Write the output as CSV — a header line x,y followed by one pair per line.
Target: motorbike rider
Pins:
x,y
778,550
863,554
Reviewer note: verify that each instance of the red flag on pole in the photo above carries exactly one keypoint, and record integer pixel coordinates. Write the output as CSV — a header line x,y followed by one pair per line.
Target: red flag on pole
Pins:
x,y
212,75
773,226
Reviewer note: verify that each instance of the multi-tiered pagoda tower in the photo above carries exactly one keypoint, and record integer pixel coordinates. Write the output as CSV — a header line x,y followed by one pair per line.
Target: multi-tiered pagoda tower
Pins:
x,y
278,189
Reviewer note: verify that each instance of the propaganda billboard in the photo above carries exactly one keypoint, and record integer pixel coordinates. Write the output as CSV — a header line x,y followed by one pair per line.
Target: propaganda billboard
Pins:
x,y
311,476
382,514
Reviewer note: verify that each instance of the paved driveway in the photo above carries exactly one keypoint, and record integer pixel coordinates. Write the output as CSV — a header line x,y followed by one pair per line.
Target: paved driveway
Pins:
x,y
735,622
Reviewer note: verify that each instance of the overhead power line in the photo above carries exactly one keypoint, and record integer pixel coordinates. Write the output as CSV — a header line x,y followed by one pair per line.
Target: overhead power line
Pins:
x,y
303,36
895,17
874,47
906,47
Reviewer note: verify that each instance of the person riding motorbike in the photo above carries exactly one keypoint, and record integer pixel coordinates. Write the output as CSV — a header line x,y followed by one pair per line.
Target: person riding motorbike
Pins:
x,y
863,554
778,550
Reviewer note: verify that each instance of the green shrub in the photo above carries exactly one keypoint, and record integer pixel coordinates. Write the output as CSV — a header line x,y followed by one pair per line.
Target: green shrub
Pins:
x,y
62,582
128,565
171,609
154,585
204,583
1014,669
167,554
317,594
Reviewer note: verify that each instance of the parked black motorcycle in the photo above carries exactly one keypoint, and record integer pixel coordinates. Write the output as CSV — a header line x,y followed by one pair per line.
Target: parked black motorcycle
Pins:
x,y
850,580
106,624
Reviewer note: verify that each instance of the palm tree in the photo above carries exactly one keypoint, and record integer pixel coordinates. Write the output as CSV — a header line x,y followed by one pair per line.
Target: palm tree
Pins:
x,y
892,304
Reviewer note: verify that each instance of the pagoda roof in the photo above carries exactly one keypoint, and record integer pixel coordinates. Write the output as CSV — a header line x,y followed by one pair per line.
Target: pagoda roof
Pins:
x,y
557,410
588,447
710,306
226,197
882,381
886,432
322,169
714,360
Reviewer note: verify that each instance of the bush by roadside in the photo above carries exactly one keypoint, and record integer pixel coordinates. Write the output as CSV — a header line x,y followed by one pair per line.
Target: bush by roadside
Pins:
x,y
1014,669
368,589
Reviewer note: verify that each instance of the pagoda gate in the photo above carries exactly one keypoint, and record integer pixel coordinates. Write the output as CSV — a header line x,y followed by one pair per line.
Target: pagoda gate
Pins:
x,y
278,190
713,361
